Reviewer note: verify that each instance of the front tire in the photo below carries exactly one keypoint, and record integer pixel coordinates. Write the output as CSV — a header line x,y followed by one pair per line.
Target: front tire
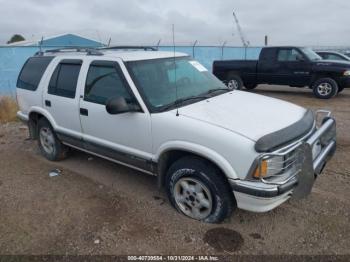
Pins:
x,y
325,88
197,189
50,146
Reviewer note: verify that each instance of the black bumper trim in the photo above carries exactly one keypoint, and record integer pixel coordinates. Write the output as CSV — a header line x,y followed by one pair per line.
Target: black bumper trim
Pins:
x,y
271,142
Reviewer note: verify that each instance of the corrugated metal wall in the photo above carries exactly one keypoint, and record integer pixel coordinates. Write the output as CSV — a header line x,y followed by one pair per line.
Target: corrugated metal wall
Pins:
x,y
13,58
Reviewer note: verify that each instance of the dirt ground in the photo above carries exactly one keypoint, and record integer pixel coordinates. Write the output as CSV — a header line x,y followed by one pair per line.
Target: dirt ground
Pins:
x,y
98,207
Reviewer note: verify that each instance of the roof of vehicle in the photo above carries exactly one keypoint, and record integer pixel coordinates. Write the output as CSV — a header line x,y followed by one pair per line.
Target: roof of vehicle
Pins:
x,y
125,55
142,55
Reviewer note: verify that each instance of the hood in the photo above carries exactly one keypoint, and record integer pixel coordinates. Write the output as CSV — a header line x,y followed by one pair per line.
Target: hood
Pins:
x,y
250,115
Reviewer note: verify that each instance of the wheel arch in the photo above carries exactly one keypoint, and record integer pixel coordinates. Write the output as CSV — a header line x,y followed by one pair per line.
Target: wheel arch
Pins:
x,y
170,153
320,75
34,115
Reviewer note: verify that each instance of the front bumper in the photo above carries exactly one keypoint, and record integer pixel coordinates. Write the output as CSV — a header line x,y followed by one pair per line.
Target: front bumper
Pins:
x,y
263,194
344,82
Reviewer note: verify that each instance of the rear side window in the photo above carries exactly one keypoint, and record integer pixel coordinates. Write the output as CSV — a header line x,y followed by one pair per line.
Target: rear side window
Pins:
x,y
104,81
64,79
32,72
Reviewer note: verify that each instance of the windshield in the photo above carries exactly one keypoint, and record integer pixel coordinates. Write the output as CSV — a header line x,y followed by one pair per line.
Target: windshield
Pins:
x,y
161,85
310,54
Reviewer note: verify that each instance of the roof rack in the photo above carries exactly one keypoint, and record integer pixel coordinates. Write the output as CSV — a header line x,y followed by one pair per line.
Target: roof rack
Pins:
x,y
88,51
130,47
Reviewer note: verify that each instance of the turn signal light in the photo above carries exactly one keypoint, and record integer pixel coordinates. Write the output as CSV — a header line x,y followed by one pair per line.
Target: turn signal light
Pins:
x,y
262,171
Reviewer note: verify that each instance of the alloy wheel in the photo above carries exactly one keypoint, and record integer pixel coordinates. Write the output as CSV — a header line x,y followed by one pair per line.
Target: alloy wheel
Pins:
x,y
233,84
324,89
193,198
47,140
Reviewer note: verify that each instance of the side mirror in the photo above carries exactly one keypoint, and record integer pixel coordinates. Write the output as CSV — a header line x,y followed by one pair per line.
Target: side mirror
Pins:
x,y
118,105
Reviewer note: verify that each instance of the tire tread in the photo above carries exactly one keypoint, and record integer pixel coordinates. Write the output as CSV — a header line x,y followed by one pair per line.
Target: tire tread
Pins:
x,y
61,150
218,183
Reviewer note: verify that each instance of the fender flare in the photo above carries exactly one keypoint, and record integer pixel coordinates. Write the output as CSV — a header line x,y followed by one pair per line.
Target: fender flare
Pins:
x,y
45,113
53,123
199,150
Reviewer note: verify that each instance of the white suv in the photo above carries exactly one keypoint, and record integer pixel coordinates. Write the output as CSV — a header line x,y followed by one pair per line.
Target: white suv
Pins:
x,y
164,114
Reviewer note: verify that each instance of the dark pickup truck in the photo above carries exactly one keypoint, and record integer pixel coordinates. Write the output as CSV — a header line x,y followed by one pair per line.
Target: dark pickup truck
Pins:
x,y
291,66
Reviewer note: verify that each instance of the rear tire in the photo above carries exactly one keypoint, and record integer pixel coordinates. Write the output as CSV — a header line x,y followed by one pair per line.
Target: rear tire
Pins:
x,y
234,82
196,189
50,146
325,88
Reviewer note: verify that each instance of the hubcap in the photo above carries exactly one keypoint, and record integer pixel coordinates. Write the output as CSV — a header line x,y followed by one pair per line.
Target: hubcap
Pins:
x,y
193,198
47,140
324,89
233,84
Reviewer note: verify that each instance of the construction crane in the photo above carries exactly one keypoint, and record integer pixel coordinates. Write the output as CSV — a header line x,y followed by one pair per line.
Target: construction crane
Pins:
x,y
241,34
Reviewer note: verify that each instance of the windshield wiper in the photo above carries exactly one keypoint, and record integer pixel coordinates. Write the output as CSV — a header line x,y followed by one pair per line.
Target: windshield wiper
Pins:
x,y
218,89
181,101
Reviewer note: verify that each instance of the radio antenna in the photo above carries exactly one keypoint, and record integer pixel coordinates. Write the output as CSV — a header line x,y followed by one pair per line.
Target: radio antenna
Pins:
x,y
176,95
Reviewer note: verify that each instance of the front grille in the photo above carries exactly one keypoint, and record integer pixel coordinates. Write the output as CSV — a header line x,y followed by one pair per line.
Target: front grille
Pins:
x,y
286,163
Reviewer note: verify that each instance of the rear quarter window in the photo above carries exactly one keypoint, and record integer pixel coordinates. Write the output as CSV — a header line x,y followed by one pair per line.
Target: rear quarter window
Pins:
x,y
32,72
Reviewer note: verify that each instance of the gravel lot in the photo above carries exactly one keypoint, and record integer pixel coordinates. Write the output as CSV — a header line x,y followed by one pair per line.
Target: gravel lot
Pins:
x,y
98,207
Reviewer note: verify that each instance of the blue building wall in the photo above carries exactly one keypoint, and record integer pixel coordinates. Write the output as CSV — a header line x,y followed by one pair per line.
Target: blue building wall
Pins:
x,y
11,62
13,58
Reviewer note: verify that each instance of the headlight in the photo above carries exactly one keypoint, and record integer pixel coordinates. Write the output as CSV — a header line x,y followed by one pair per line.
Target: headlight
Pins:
x,y
347,73
270,167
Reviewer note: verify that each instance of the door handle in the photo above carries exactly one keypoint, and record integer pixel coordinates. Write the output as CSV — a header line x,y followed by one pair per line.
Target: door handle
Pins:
x,y
48,103
84,112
